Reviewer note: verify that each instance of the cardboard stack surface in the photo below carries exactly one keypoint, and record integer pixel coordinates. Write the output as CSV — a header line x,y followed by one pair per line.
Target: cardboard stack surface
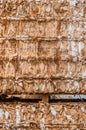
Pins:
x,y
42,51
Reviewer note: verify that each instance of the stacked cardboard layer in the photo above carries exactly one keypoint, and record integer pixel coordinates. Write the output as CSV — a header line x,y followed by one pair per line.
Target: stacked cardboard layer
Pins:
x,y
41,8
54,49
43,116
66,29
39,86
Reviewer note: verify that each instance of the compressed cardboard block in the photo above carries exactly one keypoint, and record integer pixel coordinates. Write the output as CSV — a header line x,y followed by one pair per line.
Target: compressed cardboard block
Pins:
x,y
26,69
10,68
11,52
27,49
11,29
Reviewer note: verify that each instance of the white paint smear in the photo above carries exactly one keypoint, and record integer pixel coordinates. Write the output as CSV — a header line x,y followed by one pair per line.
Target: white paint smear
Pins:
x,y
81,46
6,114
1,113
73,2
17,116
53,111
42,124
69,117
